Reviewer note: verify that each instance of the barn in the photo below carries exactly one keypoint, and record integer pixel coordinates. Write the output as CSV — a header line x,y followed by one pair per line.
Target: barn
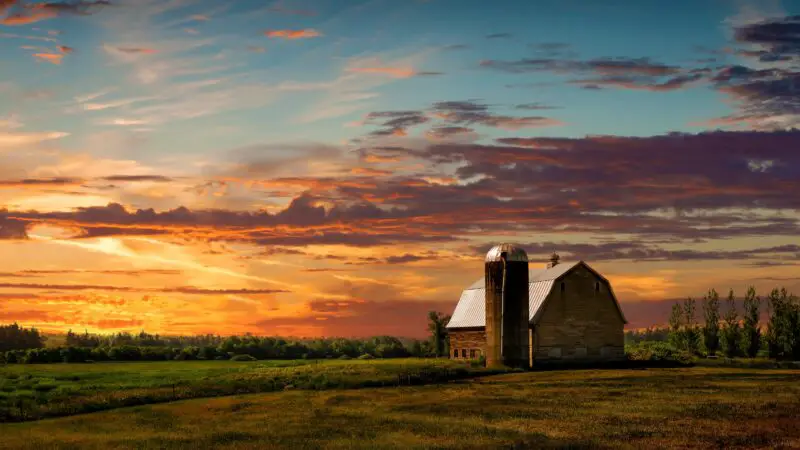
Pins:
x,y
571,309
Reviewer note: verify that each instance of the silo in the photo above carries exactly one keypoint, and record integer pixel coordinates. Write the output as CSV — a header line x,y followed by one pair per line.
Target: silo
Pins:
x,y
507,306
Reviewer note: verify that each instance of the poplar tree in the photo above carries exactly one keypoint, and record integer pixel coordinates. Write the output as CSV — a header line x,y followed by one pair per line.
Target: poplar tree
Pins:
x,y
751,333
692,336
732,332
711,328
676,327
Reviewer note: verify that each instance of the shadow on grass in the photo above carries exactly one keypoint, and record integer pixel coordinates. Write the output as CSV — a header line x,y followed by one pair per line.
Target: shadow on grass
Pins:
x,y
543,366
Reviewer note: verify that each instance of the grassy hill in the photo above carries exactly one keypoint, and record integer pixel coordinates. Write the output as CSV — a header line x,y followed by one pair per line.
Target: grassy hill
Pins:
x,y
35,391
654,408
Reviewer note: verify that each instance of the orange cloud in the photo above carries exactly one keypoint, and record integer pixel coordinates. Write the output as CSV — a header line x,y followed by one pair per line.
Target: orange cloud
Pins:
x,y
293,34
396,72
65,49
373,158
54,58
26,19
47,10
369,171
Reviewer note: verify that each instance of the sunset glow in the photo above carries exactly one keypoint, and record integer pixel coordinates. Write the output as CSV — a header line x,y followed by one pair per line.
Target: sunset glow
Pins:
x,y
310,168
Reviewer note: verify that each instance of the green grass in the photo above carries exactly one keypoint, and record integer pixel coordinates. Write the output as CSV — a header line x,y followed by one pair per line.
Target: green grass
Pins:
x,y
653,408
29,392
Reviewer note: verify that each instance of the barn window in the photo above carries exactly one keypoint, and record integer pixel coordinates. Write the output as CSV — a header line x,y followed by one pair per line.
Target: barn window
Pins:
x,y
463,353
455,353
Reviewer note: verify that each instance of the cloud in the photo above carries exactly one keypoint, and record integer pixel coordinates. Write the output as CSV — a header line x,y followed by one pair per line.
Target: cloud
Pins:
x,y
36,12
620,73
778,37
122,122
671,84
439,133
765,97
473,112
188,290
15,139
64,49
762,95
395,123
452,115
11,229
132,50
59,181
640,252
133,273
534,106
293,34
50,183
394,72
690,186
369,171
53,58
499,36
603,66
135,178
26,37
5,5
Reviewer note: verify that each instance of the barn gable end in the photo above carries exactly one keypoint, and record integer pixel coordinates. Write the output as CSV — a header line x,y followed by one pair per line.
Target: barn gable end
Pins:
x,y
580,319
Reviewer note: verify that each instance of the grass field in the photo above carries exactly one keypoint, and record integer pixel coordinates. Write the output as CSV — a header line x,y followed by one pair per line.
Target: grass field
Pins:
x,y
652,408
29,392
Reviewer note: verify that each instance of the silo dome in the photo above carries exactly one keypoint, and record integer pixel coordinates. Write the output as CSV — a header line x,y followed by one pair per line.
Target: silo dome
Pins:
x,y
513,253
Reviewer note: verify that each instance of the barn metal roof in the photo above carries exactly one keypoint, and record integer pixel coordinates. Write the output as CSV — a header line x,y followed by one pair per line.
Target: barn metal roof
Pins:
x,y
471,309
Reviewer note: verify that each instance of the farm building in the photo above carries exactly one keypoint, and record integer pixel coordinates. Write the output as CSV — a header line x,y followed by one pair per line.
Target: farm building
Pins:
x,y
569,312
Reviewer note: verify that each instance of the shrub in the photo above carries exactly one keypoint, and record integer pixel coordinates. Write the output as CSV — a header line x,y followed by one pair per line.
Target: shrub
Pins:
x,y
345,357
366,356
657,351
243,358
44,387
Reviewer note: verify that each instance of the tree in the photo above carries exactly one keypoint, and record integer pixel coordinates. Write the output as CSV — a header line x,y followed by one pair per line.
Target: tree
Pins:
x,y
751,333
691,334
14,337
783,328
436,325
732,333
711,328
676,337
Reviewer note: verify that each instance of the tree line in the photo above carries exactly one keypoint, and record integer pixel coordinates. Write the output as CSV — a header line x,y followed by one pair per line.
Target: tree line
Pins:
x,y
21,345
735,333
14,337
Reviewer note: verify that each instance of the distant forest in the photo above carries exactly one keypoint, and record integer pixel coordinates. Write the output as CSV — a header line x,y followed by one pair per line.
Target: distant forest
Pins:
x,y
27,345
725,331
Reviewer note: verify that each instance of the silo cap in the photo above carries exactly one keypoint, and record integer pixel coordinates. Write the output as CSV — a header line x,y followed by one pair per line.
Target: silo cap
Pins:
x,y
513,253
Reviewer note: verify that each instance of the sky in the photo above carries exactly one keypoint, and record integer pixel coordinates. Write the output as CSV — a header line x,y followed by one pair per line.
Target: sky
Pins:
x,y
319,168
